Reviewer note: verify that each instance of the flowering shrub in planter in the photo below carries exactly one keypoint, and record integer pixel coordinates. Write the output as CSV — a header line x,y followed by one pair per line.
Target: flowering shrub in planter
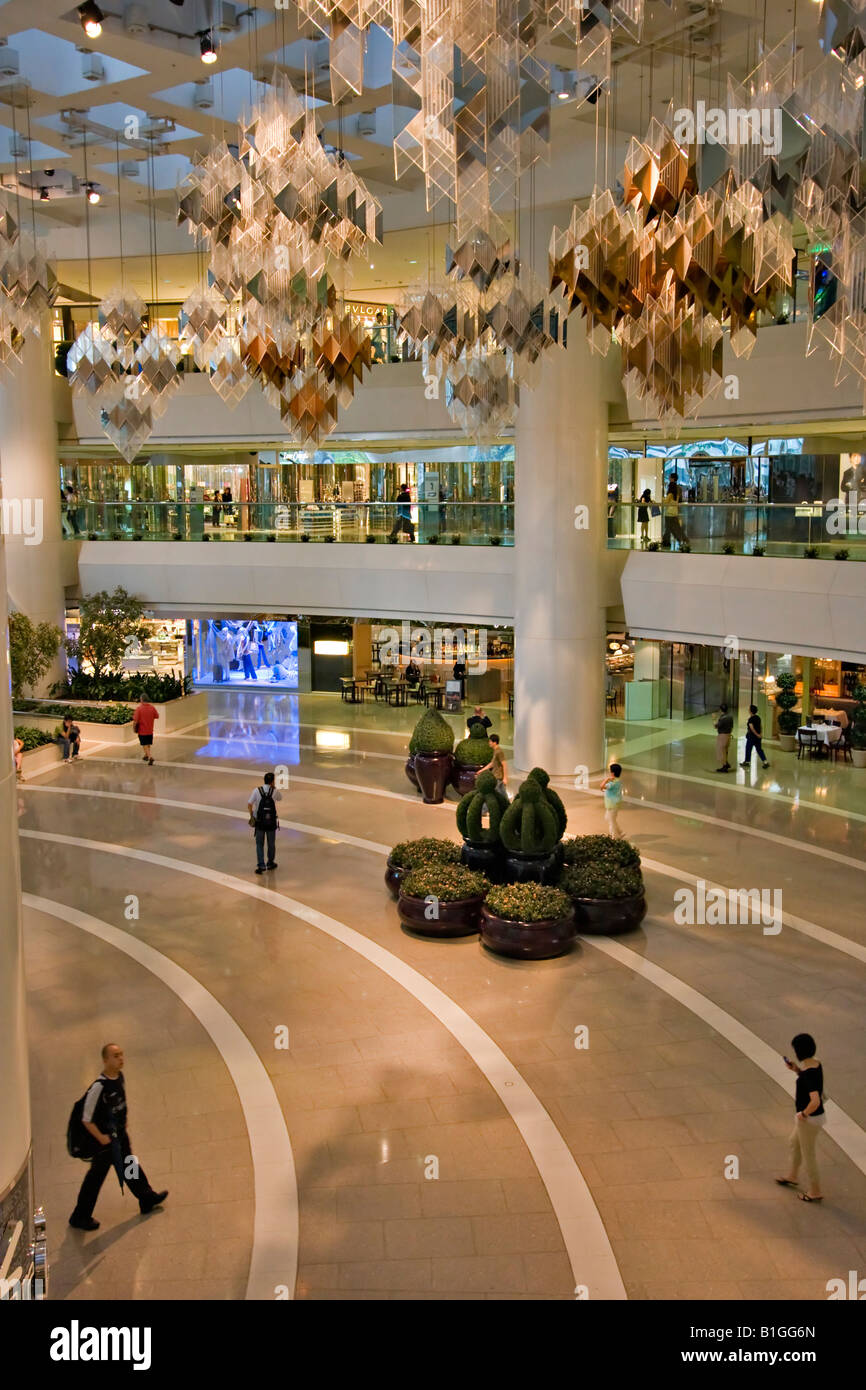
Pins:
x,y
415,854
528,921
442,900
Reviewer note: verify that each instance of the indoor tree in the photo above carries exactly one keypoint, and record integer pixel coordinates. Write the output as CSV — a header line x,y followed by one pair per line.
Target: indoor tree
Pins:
x,y
32,649
108,623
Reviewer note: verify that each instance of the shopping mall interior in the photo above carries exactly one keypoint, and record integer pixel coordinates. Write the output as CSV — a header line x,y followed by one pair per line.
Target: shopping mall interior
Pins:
x,y
479,919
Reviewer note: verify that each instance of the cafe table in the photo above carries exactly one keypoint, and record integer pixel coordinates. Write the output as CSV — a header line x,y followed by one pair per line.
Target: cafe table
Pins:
x,y
828,734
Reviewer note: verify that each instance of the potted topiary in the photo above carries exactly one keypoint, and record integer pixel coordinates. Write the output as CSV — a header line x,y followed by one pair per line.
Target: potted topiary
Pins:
x,y
858,727
470,755
529,830
417,854
602,878
430,746
788,722
553,800
479,817
442,900
528,921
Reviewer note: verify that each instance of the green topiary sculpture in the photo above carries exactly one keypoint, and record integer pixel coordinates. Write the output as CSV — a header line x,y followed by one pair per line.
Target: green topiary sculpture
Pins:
x,y
529,826
552,798
471,809
473,751
789,722
432,734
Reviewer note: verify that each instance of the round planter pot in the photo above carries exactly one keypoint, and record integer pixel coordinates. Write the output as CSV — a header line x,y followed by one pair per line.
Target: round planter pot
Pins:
x,y
527,940
411,773
463,777
788,742
609,915
394,875
433,771
858,757
523,867
483,858
459,918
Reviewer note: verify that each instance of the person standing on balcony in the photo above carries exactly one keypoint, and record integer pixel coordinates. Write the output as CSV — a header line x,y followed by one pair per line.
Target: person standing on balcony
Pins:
x,y
643,516
228,502
217,506
672,514
403,518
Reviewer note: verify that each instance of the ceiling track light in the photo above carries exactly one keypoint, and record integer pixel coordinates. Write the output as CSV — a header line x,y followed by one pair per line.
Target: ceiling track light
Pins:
x,y
91,18
208,52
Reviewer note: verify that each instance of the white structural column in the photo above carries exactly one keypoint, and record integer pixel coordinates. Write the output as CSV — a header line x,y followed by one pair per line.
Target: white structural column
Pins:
x,y
31,485
561,466
15,1194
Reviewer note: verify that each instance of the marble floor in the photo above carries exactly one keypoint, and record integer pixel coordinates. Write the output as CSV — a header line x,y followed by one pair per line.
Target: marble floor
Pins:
x,y
343,1111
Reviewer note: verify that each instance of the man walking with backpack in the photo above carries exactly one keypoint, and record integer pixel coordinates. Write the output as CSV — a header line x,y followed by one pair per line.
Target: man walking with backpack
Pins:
x,y
103,1116
263,819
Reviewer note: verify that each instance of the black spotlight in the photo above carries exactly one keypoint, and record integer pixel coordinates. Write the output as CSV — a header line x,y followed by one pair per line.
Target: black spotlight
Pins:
x,y
208,52
91,17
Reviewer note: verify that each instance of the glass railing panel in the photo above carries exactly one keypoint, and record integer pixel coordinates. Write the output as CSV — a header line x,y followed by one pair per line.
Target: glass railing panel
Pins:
x,y
827,530
358,523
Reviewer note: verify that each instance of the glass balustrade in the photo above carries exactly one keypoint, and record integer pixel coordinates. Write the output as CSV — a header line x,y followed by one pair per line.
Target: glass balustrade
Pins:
x,y
742,528
445,523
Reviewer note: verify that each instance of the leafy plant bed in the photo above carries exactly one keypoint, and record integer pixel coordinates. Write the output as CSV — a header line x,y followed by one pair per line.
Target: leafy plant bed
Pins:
x,y
32,738
94,714
527,921
417,854
442,900
153,686
602,877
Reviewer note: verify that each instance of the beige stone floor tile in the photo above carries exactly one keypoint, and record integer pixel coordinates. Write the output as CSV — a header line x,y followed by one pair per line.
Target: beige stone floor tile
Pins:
x,y
656,1220
386,1275
525,1195
821,1257
395,1114
784,1290
730,1126
381,1203
340,1241
471,1197
479,1274
549,1275
429,1236
516,1233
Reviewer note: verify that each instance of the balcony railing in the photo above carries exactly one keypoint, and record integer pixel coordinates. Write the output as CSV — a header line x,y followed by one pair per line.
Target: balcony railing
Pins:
x,y
445,523
742,528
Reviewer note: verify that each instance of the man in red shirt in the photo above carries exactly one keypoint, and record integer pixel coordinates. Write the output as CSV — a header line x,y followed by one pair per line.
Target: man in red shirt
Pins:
x,y
143,720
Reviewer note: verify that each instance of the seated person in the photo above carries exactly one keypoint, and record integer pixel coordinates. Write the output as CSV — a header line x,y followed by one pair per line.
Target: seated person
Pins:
x,y
413,673
479,717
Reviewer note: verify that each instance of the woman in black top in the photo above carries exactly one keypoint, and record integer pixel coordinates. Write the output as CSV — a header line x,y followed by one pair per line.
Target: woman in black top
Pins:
x,y
646,498
809,1105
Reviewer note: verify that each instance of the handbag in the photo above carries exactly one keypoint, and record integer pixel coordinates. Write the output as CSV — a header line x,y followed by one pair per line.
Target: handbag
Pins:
x,y
234,664
655,511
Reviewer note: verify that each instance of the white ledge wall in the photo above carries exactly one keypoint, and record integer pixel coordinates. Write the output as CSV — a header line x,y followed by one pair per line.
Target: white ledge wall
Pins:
x,y
414,581
811,607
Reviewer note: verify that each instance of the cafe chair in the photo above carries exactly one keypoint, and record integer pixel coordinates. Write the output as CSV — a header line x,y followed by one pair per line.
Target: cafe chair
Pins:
x,y
843,746
807,740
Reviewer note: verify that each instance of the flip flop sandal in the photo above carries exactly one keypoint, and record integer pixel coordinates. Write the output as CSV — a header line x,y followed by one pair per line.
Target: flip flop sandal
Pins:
x,y
804,1197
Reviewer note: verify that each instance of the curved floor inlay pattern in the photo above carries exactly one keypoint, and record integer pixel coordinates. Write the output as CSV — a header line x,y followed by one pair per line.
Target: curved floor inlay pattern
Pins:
x,y
583,1232
828,938
274,1256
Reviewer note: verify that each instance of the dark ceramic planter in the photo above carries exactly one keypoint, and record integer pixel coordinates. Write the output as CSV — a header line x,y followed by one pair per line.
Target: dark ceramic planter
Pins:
x,y
411,773
523,867
463,777
433,771
483,859
394,875
609,915
527,940
460,918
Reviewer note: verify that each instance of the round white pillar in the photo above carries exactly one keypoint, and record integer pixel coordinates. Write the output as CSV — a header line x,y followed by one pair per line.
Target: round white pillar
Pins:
x,y
560,467
30,480
15,1195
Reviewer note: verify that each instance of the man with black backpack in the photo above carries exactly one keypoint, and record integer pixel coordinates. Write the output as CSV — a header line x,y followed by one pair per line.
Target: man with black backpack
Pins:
x,y
97,1131
263,819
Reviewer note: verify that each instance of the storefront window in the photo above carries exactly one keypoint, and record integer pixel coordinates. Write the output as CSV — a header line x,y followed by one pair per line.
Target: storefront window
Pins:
x,y
247,653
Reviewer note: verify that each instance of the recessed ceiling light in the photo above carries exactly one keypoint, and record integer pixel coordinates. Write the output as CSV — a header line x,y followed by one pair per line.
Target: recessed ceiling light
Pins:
x,y
91,17
413,262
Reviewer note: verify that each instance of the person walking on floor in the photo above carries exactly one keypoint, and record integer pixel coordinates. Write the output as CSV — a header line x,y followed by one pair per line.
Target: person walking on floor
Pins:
x,y
611,785
143,720
754,738
724,729
810,1118
105,1119
69,739
263,819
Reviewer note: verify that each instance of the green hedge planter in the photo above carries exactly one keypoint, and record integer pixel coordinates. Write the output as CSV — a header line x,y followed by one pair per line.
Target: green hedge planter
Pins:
x,y
527,921
442,900
416,854
430,748
530,833
470,755
479,816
